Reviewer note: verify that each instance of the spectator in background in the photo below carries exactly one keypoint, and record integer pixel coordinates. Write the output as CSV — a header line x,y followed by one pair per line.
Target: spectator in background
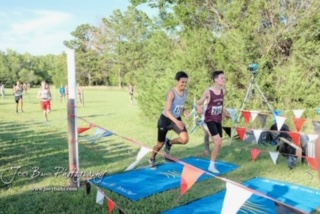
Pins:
x,y
45,95
2,91
18,91
25,88
80,94
130,88
62,91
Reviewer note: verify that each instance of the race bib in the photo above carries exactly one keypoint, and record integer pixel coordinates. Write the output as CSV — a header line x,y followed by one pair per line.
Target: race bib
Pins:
x,y
216,110
178,109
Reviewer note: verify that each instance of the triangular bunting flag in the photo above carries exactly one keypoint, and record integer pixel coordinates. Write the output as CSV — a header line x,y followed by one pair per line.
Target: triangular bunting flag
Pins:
x,y
316,126
99,134
99,131
233,113
263,119
277,112
297,113
241,132
311,149
143,151
280,121
188,177
312,162
227,130
246,115
274,156
255,153
99,198
295,136
257,133
298,122
232,202
107,134
83,129
254,114
111,205
312,137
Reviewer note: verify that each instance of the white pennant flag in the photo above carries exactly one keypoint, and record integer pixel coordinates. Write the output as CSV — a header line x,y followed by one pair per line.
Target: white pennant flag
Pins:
x,y
280,121
312,137
232,202
298,112
143,151
311,149
233,113
257,133
274,156
254,114
99,131
99,198
311,146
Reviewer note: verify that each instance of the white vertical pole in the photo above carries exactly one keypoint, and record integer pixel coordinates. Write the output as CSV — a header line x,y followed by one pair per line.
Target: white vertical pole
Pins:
x,y
72,120
195,115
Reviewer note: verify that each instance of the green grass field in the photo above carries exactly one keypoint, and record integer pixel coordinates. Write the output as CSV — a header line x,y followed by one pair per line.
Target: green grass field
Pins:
x,y
31,148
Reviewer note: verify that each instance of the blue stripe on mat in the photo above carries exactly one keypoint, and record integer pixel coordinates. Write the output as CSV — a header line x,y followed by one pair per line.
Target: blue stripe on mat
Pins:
x,y
141,183
300,197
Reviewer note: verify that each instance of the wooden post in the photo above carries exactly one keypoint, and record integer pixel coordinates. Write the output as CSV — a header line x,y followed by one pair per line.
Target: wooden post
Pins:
x,y
72,121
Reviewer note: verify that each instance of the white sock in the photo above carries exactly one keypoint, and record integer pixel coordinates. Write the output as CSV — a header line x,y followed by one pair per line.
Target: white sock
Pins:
x,y
211,164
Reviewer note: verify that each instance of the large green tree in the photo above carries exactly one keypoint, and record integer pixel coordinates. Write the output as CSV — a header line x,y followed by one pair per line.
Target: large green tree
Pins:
x,y
230,35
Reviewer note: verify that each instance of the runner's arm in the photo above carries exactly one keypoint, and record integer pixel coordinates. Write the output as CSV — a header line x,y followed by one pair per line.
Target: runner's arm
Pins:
x,y
200,102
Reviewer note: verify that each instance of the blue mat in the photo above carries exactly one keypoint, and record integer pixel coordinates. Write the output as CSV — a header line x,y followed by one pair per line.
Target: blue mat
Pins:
x,y
141,183
300,197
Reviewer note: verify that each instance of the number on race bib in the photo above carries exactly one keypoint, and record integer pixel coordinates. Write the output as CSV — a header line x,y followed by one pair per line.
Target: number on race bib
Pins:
x,y
216,110
178,109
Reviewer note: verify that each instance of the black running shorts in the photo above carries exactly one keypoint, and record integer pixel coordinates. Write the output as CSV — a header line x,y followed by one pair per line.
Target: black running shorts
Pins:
x,y
165,125
214,128
17,98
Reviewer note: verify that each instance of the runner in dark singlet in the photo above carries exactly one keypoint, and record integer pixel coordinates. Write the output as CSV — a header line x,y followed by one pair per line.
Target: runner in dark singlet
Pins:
x,y
213,114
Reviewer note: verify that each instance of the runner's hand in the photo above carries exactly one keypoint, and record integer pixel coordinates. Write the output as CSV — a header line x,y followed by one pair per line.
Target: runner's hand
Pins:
x,y
180,124
186,113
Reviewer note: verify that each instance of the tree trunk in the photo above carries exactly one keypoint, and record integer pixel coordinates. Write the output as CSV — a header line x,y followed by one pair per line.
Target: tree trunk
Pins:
x,y
119,78
89,79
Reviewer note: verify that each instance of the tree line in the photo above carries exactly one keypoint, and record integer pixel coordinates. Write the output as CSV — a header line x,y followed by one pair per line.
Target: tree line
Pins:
x,y
197,36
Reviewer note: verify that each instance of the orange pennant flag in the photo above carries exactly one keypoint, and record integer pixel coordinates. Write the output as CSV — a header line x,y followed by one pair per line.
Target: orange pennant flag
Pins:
x,y
298,122
189,176
295,137
80,130
255,153
111,205
312,162
241,132
246,115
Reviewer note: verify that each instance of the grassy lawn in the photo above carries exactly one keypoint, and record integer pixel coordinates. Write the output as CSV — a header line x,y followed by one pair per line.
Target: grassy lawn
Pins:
x,y
31,148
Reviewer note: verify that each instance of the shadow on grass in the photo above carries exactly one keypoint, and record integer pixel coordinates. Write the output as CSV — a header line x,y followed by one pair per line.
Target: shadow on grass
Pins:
x,y
31,152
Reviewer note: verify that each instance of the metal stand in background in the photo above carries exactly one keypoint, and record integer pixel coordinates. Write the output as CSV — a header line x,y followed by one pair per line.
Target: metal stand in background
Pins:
x,y
248,94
